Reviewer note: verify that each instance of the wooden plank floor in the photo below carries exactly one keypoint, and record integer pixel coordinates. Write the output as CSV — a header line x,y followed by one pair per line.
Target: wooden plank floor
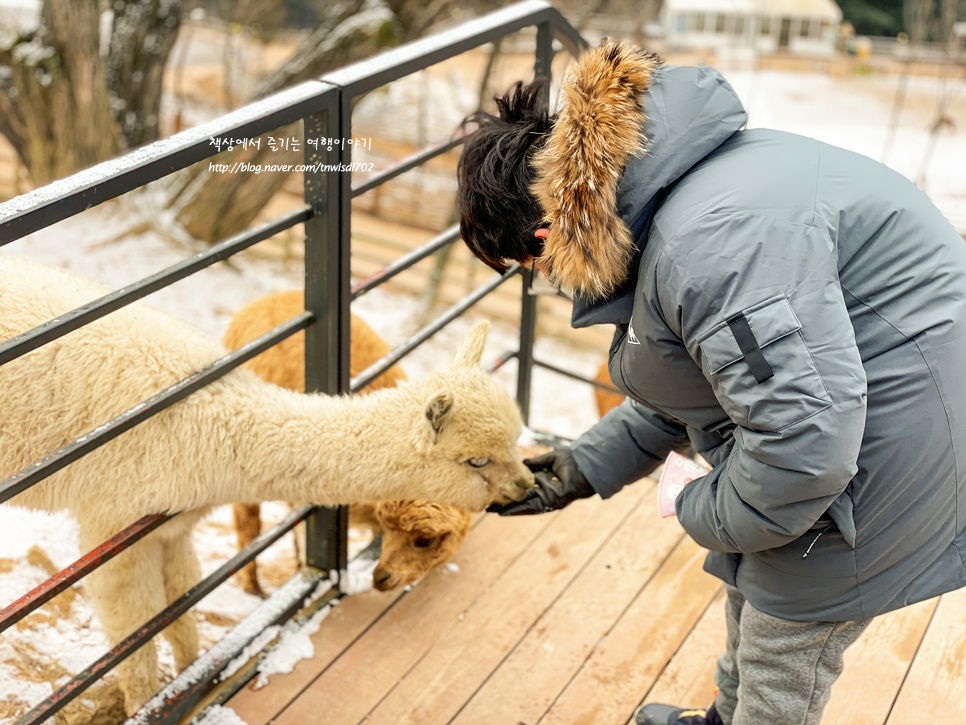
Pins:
x,y
575,618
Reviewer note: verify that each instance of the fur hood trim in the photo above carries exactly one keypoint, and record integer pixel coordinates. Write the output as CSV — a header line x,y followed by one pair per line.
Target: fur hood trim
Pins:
x,y
599,128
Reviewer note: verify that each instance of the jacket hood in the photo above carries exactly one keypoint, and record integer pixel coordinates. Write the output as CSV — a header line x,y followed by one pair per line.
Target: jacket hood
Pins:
x,y
627,128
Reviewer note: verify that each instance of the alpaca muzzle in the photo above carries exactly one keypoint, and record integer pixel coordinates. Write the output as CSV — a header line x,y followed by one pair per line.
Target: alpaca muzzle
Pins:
x,y
516,489
382,579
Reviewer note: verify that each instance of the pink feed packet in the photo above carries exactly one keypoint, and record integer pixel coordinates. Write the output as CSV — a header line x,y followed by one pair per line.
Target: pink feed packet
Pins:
x,y
678,472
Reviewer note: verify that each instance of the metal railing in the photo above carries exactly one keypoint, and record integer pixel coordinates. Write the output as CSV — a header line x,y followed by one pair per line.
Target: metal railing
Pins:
x,y
324,106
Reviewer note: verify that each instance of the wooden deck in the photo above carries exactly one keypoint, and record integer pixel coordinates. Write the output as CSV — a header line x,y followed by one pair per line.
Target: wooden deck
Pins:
x,y
575,618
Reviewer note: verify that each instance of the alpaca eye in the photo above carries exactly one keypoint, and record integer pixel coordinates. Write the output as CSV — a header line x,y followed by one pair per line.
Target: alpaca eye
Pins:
x,y
424,543
479,462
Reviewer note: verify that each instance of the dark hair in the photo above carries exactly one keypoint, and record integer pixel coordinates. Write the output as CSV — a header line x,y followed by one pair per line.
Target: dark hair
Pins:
x,y
498,212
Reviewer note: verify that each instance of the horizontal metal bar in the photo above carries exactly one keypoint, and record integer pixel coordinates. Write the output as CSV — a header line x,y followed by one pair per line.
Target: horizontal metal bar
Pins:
x,y
575,376
64,198
410,162
406,261
182,604
42,594
502,360
70,321
384,68
144,410
396,354
550,440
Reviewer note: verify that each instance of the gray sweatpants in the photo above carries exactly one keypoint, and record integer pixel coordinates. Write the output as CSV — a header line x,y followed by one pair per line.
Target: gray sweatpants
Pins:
x,y
776,671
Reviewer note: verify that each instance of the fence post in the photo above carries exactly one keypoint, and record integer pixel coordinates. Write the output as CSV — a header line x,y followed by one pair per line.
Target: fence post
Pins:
x,y
327,298
528,304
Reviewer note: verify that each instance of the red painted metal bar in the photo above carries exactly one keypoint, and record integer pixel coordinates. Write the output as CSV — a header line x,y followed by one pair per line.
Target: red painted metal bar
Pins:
x,y
13,613
502,360
144,633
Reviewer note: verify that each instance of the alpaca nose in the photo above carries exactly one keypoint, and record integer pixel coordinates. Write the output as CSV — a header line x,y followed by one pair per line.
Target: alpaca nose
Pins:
x,y
381,579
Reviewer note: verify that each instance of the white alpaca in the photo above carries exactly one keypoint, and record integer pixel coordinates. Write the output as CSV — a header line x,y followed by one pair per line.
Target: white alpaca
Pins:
x,y
449,438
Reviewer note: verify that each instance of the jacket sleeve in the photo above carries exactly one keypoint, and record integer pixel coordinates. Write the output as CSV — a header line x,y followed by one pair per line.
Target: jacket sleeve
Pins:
x,y
626,444
757,303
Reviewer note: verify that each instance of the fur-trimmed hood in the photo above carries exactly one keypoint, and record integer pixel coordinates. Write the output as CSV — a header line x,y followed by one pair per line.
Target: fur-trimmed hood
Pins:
x,y
628,127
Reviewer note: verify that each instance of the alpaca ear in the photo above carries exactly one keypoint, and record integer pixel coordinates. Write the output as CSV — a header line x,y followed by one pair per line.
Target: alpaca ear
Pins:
x,y
437,408
471,349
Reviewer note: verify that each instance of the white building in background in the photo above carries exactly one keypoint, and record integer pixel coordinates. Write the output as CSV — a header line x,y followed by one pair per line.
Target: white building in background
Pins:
x,y
804,27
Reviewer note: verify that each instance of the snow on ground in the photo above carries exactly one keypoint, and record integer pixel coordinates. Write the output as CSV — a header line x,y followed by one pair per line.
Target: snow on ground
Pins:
x,y
220,715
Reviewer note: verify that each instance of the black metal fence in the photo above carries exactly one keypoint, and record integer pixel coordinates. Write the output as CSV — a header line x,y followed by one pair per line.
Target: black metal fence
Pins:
x,y
324,106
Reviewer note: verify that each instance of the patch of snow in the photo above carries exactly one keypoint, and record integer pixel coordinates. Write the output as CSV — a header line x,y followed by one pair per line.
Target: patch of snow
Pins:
x,y
219,715
359,576
253,648
32,52
294,646
20,16
323,586
240,636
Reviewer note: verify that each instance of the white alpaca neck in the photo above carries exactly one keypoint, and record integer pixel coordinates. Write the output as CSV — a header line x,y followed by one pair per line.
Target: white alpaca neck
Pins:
x,y
315,448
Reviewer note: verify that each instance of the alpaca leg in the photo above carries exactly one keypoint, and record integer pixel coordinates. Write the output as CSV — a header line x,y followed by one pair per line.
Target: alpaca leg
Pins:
x,y
126,592
181,572
248,526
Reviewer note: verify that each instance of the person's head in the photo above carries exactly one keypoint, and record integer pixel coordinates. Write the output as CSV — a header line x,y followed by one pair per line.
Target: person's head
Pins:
x,y
499,215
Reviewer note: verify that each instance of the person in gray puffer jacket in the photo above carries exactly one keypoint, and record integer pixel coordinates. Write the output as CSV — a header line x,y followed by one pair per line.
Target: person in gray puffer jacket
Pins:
x,y
794,311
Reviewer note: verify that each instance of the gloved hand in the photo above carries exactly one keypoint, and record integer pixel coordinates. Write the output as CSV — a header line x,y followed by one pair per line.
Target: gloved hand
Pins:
x,y
559,482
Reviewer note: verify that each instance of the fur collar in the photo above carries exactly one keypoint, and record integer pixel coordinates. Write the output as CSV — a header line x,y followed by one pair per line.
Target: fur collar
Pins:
x,y
599,128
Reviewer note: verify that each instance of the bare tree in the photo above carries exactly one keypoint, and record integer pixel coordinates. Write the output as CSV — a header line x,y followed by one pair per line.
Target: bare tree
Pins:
x,y
947,91
64,105
917,15
349,30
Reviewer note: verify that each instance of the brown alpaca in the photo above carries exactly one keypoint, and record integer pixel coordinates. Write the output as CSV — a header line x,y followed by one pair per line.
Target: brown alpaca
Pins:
x,y
416,535
605,398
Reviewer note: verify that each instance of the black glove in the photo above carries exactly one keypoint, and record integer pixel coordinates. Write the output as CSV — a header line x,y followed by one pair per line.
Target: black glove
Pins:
x,y
559,482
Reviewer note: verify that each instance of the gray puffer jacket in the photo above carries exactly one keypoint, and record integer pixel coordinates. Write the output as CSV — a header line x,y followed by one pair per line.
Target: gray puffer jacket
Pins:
x,y
794,310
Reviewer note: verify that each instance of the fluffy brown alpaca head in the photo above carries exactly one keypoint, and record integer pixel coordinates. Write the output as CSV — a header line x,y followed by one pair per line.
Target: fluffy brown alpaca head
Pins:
x,y
417,536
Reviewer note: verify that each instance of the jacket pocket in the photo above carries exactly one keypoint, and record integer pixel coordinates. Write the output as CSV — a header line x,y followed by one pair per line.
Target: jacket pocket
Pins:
x,y
791,388
820,553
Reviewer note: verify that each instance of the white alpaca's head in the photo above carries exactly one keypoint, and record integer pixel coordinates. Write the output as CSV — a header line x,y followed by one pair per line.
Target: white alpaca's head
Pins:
x,y
468,432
